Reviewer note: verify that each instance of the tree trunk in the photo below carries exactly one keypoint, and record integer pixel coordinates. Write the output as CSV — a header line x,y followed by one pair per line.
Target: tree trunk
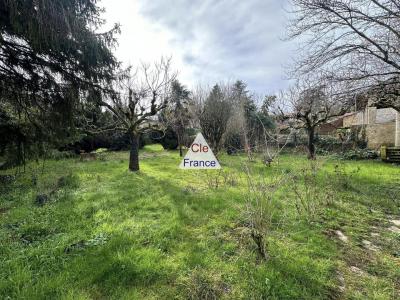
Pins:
x,y
311,143
247,146
180,146
134,153
397,138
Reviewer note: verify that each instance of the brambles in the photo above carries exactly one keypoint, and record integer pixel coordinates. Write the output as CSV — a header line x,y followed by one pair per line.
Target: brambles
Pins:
x,y
261,208
220,178
358,154
310,197
343,177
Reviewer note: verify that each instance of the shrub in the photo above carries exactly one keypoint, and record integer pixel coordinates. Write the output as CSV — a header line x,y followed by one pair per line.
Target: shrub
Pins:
x,y
327,144
68,181
343,177
233,143
119,141
169,140
309,195
116,141
219,178
101,150
261,208
59,155
358,154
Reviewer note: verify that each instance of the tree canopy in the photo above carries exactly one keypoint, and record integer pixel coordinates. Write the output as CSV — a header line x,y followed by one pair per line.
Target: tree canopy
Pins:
x,y
51,56
214,117
46,43
354,43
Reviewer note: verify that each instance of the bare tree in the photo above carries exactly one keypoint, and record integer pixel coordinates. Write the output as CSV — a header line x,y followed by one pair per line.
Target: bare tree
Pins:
x,y
142,95
271,146
308,106
352,41
386,94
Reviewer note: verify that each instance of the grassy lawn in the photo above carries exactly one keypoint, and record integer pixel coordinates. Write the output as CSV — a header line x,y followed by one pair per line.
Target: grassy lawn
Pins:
x,y
165,233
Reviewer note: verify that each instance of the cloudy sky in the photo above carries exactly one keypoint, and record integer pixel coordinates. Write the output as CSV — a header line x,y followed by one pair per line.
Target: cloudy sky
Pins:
x,y
209,40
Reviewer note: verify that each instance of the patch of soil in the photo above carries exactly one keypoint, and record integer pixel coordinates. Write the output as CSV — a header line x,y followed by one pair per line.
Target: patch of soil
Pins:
x,y
395,222
394,229
341,236
357,270
342,282
369,246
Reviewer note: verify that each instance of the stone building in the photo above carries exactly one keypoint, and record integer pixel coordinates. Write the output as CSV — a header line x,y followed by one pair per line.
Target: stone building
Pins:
x,y
381,125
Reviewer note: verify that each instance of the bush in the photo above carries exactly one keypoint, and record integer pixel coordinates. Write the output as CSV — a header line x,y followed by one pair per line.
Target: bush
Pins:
x,y
169,140
358,154
233,143
328,144
68,181
116,141
262,205
309,196
343,177
101,150
58,155
331,144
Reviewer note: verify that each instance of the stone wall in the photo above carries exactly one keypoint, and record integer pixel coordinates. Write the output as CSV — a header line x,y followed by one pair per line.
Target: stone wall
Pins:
x,y
350,120
397,139
371,115
380,134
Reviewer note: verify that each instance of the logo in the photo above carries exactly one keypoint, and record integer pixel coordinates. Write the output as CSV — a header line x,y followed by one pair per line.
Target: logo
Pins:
x,y
200,156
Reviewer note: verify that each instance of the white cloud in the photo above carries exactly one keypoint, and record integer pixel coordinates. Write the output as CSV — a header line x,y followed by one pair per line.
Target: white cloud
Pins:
x,y
209,40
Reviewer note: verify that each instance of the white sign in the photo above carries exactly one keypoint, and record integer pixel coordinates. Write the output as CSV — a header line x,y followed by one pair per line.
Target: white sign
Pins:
x,y
200,156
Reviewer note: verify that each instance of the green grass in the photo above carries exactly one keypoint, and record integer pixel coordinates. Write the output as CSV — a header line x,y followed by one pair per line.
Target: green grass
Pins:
x,y
164,233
